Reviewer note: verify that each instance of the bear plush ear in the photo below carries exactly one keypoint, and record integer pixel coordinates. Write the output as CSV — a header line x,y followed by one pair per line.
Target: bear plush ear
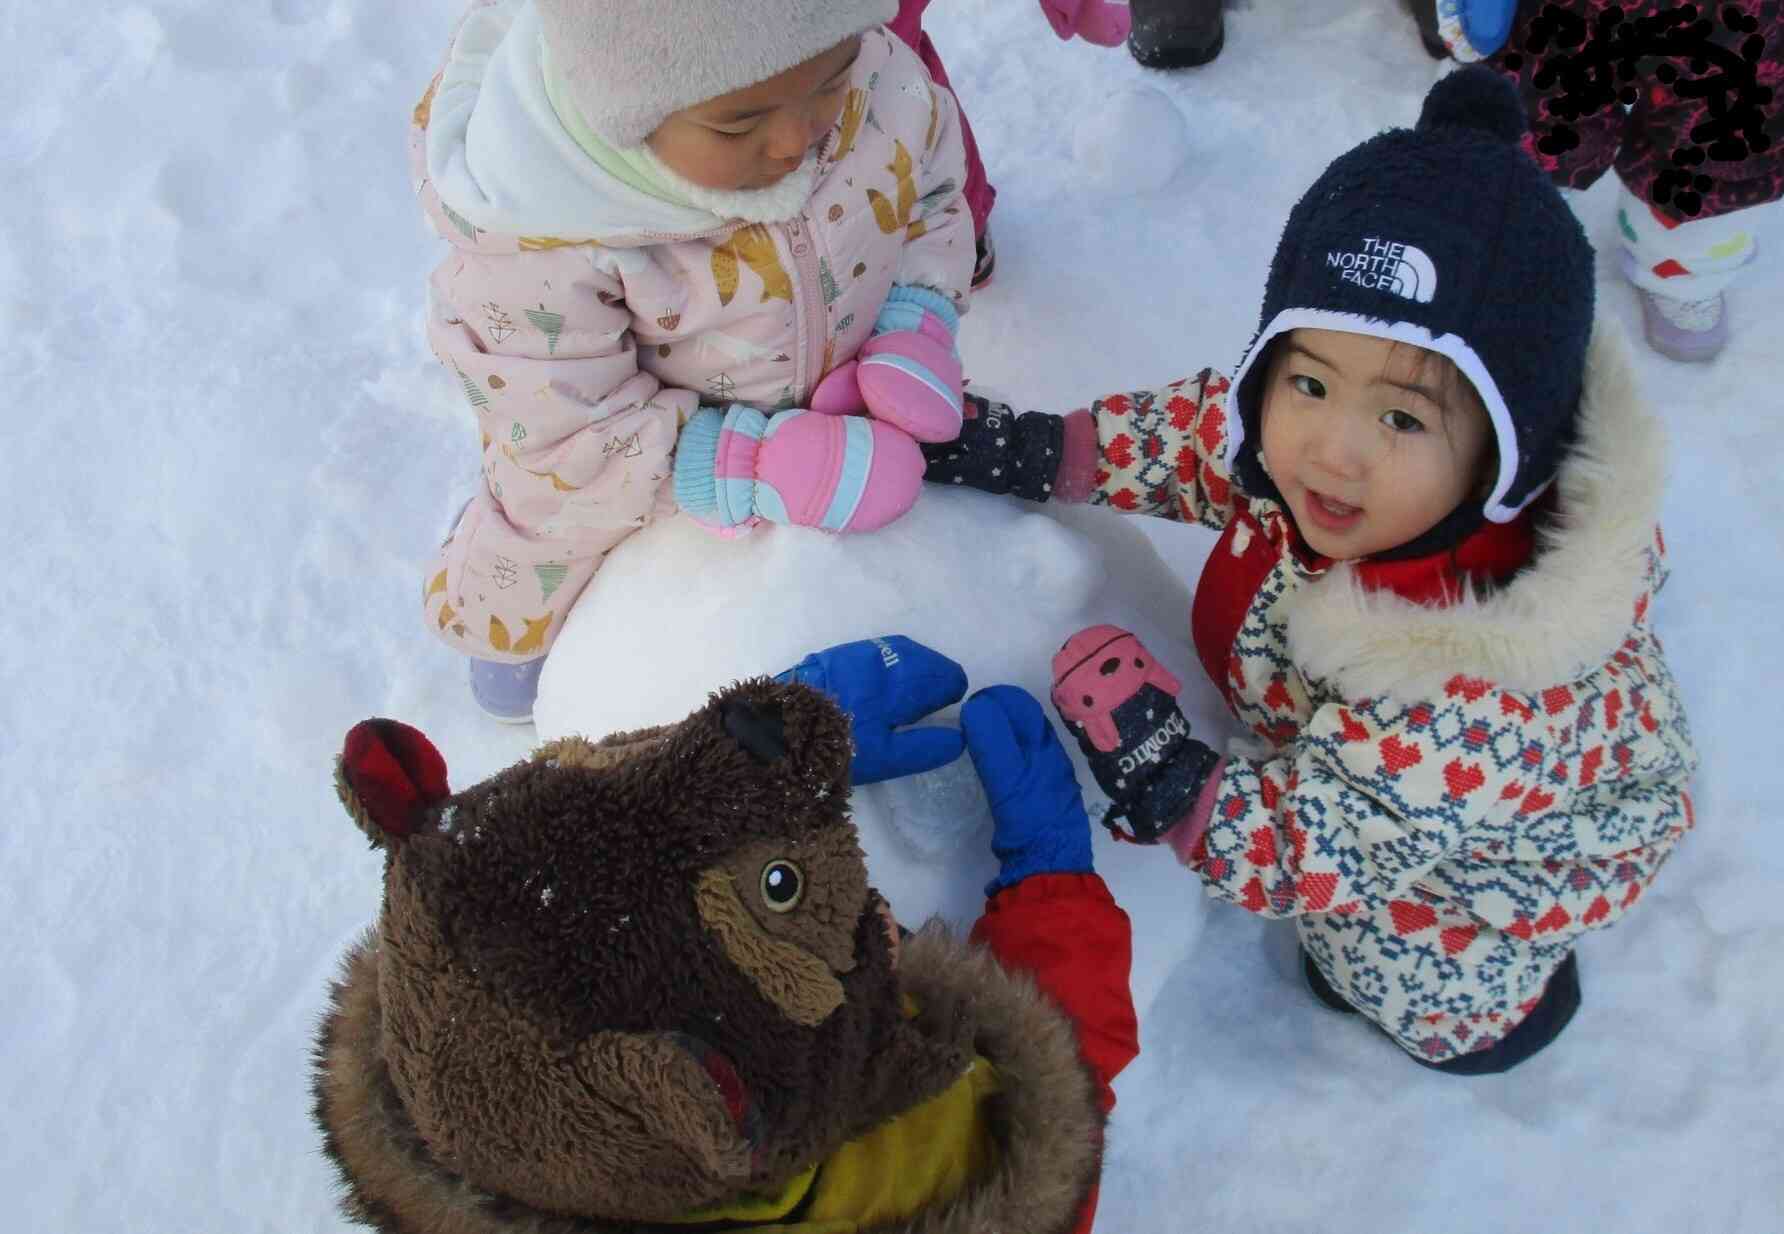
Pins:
x,y
388,776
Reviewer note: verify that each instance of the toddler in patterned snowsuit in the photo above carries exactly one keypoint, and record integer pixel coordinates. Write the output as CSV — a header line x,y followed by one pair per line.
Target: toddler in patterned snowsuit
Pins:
x,y
1430,604
705,256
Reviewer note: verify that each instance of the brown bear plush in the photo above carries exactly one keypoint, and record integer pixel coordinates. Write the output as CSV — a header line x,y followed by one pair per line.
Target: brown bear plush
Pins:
x,y
640,983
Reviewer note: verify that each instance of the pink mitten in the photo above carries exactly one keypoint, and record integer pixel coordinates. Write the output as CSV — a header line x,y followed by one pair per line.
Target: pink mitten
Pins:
x,y
1103,22
837,473
839,394
909,372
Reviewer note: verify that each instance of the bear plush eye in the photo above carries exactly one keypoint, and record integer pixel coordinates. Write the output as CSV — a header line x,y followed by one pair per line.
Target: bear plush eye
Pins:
x,y
783,886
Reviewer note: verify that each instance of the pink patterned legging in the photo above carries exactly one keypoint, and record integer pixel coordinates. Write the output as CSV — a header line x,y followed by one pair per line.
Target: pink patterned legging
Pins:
x,y
908,25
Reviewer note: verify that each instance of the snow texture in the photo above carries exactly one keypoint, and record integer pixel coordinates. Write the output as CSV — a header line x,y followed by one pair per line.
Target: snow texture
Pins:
x,y
211,282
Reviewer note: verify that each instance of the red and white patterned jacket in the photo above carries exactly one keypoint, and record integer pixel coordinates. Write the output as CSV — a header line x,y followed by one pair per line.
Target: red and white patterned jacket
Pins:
x,y
1444,795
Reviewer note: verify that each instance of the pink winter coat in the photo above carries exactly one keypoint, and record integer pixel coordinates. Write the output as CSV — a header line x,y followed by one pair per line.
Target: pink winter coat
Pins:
x,y
584,320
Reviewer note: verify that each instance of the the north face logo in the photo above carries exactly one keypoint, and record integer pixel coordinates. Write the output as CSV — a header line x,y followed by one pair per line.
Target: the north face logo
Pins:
x,y
1383,265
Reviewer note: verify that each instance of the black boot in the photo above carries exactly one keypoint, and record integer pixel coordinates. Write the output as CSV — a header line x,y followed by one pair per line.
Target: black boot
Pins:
x,y
1176,34
1552,1013
1322,989
1425,13
984,259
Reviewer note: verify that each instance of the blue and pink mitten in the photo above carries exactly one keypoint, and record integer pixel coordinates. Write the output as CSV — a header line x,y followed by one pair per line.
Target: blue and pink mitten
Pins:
x,y
838,473
907,373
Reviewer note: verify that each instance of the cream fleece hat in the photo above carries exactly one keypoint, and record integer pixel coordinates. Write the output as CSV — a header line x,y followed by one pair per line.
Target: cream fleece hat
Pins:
x,y
629,64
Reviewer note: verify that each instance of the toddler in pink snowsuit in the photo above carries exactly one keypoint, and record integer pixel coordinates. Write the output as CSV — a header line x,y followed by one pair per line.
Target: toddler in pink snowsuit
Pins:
x,y
704,256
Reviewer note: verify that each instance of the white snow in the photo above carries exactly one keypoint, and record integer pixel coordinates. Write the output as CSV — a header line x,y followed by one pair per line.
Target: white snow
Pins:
x,y
231,453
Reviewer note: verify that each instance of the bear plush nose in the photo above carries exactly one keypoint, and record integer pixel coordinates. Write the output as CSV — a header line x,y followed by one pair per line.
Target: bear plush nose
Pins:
x,y
759,730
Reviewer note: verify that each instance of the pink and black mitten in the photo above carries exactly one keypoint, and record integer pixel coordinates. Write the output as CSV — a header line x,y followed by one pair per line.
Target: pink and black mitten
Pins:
x,y
1036,455
1121,705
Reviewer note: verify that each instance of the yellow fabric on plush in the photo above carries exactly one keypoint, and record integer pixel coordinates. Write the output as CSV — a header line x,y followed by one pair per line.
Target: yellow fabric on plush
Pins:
x,y
923,1157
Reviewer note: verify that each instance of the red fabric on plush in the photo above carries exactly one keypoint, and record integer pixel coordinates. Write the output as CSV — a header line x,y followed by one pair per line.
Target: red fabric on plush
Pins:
x,y
395,771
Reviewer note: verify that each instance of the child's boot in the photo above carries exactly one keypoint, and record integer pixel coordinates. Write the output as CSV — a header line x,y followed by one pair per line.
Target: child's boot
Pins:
x,y
1680,270
1553,1012
1688,330
1176,34
506,691
1424,12
1322,989
1679,329
985,260
1465,30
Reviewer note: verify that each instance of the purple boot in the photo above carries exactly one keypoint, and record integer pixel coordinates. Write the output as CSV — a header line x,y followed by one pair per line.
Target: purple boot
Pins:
x,y
506,691
1688,330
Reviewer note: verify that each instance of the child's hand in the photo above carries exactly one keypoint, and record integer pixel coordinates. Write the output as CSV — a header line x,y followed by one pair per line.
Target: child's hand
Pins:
x,y
1041,827
908,372
737,467
1000,452
884,683
1121,704
1094,21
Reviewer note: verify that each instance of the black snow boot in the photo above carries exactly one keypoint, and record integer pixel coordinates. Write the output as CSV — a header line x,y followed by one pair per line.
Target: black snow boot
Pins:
x,y
1176,34
1322,989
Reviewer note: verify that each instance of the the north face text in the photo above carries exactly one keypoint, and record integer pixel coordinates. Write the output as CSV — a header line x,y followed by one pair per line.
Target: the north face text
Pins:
x,y
1386,265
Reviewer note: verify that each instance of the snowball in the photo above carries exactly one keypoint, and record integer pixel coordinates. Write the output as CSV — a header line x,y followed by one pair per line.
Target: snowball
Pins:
x,y
998,584
1133,143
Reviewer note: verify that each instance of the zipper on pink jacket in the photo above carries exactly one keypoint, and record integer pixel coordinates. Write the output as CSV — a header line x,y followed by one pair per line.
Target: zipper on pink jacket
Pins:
x,y
808,303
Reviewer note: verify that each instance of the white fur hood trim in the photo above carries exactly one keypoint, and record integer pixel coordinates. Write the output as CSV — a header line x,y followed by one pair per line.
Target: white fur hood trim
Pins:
x,y
1558,619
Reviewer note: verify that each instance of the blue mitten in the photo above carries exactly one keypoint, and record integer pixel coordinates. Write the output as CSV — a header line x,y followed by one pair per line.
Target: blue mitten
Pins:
x,y
883,683
1041,826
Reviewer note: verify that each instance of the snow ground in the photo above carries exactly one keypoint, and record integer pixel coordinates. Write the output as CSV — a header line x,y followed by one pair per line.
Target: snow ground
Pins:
x,y
210,290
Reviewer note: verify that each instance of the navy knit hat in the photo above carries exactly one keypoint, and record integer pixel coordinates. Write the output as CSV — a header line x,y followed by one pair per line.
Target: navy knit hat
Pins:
x,y
1447,236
